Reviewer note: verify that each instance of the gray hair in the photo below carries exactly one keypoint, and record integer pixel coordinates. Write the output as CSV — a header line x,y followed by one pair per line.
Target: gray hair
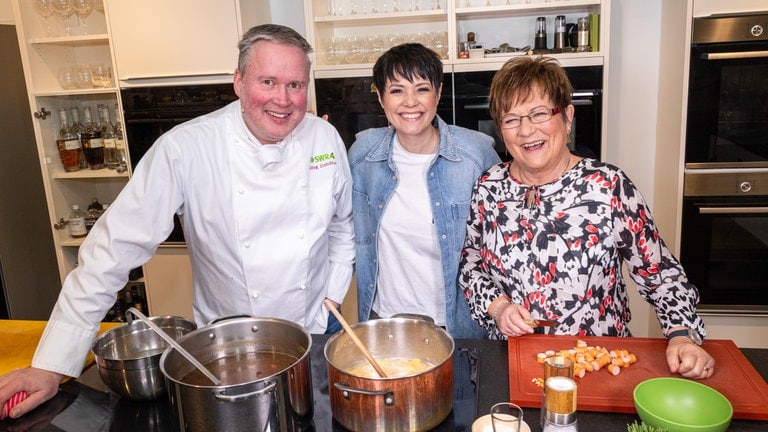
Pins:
x,y
274,33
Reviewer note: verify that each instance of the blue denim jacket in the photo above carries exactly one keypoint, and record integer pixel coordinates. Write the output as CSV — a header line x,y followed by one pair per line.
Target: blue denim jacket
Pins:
x,y
463,155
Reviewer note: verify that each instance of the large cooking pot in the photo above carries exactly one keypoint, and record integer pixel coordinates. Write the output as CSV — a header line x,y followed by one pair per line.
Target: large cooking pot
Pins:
x,y
415,401
263,366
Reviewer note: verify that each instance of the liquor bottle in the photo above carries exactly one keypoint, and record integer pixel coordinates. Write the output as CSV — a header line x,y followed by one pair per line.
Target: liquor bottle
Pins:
x,y
77,222
68,144
92,215
108,135
76,127
120,142
93,144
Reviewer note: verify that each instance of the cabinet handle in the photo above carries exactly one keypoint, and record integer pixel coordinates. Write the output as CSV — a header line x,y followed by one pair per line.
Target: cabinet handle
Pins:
x,y
734,55
733,210
42,114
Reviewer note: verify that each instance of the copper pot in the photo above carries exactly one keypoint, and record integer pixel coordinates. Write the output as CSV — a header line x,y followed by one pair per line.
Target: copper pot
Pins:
x,y
417,401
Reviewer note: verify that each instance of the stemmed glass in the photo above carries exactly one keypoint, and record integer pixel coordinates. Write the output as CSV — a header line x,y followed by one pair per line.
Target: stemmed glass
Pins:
x,y
83,8
64,8
45,9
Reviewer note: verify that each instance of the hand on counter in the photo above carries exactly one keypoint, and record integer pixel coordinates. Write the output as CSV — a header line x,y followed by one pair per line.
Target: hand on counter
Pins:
x,y
688,359
39,384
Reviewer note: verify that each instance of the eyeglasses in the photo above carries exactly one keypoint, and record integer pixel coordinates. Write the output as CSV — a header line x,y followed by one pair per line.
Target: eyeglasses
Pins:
x,y
537,116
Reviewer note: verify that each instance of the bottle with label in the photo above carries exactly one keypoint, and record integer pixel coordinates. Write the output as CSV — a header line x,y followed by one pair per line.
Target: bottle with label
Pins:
x,y
93,144
77,222
540,41
68,144
76,128
122,161
108,135
95,210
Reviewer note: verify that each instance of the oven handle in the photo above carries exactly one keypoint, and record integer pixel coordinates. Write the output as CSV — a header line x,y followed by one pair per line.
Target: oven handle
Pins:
x,y
731,210
734,55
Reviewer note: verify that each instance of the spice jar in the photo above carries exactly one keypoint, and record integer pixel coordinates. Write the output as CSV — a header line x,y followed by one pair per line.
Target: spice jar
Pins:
x,y
560,405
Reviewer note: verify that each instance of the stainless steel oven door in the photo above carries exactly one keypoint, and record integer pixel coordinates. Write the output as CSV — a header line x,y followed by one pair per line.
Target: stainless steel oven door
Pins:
x,y
724,242
727,118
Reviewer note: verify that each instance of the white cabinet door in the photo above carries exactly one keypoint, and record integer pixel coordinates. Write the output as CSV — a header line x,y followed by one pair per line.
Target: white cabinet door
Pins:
x,y
173,38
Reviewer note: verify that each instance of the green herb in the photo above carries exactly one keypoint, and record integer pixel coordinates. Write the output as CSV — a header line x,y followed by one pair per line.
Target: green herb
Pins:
x,y
642,427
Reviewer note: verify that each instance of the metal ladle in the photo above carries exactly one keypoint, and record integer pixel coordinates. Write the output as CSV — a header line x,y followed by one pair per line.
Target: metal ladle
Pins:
x,y
172,342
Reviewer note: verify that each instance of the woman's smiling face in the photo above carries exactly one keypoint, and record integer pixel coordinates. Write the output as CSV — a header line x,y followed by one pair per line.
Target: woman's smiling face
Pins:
x,y
410,106
537,146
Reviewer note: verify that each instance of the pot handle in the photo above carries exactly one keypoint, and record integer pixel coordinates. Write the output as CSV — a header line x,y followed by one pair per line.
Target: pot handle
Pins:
x,y
426,318
215,320
219,394
388,395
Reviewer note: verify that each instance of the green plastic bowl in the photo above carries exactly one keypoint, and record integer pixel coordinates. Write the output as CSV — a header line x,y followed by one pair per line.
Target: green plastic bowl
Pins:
x,y
682,405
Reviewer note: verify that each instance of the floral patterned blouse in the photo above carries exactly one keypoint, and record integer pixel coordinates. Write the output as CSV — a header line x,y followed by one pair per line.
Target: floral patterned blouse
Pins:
x,y
558,250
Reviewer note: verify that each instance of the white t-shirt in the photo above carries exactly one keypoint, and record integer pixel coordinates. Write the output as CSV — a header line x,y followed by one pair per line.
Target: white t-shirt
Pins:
x,y
410,278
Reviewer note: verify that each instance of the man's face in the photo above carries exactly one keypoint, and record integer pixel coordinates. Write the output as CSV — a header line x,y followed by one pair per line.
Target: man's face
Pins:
x,y
273,90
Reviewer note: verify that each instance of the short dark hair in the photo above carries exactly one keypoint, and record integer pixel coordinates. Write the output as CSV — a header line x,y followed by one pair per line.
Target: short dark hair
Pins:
x,y
270,32
410,61
514,82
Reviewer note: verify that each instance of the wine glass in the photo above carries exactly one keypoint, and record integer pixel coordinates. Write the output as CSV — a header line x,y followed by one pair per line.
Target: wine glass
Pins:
x,y
64,8
83,8
45,9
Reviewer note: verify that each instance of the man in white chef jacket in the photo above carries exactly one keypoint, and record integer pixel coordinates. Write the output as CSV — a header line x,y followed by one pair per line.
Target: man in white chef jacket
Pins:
x,y
264,193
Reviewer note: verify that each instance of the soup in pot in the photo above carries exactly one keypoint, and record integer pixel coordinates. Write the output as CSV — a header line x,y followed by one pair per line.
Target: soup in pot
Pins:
x,y
242,368
394,367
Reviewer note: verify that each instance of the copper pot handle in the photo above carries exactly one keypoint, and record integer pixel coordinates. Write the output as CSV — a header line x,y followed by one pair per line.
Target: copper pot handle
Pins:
x,y
346,391
219,394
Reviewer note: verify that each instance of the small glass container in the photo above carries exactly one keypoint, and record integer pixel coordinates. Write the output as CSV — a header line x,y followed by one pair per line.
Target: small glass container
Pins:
x,y
560,405
540,41
560,32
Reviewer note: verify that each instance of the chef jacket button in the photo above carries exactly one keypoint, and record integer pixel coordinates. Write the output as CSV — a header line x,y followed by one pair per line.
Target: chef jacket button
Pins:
x,y
301,235
247,245
255,295
303,185
241,191
302,286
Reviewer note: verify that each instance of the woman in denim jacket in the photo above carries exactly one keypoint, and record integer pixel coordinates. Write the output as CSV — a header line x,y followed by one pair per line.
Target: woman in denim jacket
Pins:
x,y
412,183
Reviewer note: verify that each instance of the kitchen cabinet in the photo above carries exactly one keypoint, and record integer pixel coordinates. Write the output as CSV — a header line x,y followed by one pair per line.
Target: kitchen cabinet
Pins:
x,y
178,40
46,49
348,37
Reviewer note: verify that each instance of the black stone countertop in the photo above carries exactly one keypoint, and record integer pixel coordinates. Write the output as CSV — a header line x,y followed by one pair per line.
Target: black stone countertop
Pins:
x,y
84,405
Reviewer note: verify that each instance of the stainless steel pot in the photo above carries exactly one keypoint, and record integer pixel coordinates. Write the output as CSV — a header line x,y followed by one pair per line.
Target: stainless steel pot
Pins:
x,y
263,365
128,356
416,402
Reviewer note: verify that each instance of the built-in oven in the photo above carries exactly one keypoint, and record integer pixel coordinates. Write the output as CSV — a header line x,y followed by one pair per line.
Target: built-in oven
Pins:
x,y
724,240
471,108
151,111
727,120
724,234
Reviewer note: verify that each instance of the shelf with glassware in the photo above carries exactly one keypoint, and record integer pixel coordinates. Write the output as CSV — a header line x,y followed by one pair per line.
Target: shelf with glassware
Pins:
x,y
352,34
349,35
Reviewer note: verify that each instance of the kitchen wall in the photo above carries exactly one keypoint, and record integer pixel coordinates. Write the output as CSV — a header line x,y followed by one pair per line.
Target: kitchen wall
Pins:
x,y
6,12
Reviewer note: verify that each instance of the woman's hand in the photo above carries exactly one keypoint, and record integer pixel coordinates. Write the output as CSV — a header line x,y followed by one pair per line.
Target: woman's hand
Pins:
x,y
39,384
688,359
511,320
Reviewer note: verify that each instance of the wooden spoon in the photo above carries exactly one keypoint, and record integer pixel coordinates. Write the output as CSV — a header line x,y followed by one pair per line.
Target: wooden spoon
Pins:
x,y
355,339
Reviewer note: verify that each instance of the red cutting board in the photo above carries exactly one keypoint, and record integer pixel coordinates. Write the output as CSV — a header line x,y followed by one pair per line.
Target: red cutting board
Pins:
x,y
734,376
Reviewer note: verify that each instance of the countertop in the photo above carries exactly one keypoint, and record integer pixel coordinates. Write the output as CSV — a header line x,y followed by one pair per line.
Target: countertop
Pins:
x,y
84,404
